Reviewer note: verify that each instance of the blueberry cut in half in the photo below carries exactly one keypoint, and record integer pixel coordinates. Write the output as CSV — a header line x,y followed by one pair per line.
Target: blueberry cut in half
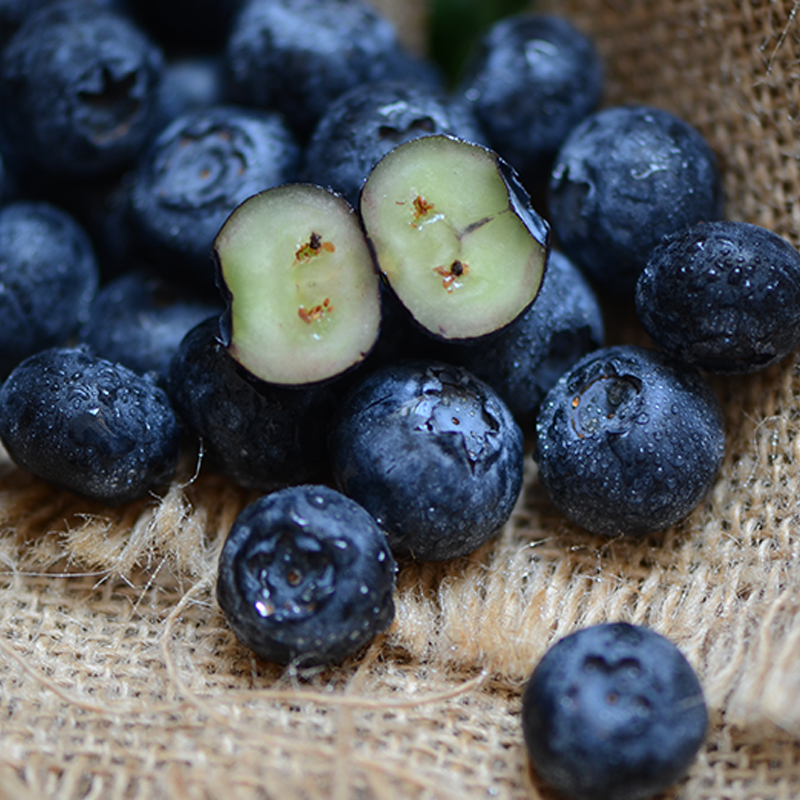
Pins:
x,y
455,236
613,712
724,296
629,441
432,453
306,577
89,425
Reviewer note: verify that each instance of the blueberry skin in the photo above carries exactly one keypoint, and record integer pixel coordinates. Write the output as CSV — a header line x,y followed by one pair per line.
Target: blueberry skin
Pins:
x,y
88,425
79,88
297,56
139,321
526,359
613,712
629,441
259,435
195,173
365,123
531,80
723,296
623,179
306,577
48,277
432,453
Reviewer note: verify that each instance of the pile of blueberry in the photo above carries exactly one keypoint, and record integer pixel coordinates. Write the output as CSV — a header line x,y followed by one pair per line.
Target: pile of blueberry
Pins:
x,y
265,225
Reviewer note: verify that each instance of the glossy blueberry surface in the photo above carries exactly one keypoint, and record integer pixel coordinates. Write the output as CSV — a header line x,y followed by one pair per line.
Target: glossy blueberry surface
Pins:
x,y
88,425
724,296
364,124
261,436
531,80
198,169
48,277
79,88
629,441
524,360
613,712
624,178
432,453
306,577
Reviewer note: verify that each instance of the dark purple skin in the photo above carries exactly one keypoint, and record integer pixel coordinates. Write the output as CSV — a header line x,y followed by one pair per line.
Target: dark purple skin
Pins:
x,y
79,86
629,441
624,178
260,436
432,453
530,81
364,124
88,425
48,278
306,577
297,56
197,171
723,296
525,360
613,712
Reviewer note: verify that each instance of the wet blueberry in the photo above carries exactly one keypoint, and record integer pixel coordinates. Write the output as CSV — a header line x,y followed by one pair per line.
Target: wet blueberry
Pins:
x,y
88,425
629,441
306,577
532,79
432,453
259,435
364,124
48,277
724,296
613,712
623,179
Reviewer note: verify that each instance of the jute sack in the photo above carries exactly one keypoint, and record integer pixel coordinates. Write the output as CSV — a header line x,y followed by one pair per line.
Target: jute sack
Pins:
x,y
119,678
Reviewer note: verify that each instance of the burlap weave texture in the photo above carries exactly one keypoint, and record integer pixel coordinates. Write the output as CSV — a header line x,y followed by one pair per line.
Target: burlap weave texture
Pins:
x,y
119,679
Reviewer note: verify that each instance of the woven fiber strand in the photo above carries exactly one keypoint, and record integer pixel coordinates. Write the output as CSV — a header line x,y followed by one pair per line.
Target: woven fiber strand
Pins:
x,y
120,680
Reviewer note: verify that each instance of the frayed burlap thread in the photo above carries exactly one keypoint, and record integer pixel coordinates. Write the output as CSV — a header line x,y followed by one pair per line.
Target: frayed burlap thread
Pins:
x,y
120,680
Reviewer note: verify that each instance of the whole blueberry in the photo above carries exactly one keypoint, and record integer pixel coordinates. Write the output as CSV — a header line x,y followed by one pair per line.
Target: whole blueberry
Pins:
x,y
364,124
525,360
48,277
297,56
261,436
89,425
724,296
79,87
531,80
623,179
198,169
613,712
629,441
432,453
306,576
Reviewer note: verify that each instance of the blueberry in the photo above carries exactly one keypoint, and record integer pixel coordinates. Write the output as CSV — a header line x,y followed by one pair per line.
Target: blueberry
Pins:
x,y
191,84
613,712
531,80
88,425
79,88
629,441
139,321
198,169
48,277
724,296
261,436
624,178
432,453
297,56
525,360
306,576
365,123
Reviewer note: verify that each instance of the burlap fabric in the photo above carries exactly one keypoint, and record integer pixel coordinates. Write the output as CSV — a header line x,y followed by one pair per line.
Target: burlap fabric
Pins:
x,y
119,679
